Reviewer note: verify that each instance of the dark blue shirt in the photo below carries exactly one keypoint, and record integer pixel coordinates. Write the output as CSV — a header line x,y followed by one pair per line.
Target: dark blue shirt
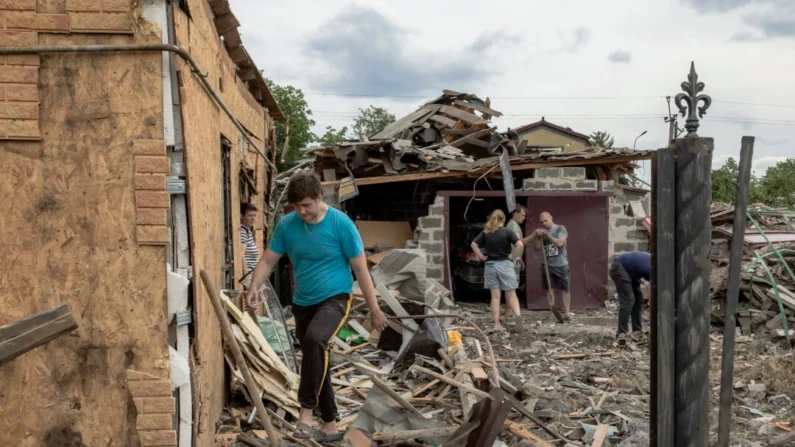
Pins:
x,y
637,264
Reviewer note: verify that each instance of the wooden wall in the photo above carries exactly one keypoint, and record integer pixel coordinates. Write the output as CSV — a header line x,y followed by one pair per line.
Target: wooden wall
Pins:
x,y
68,233
204,123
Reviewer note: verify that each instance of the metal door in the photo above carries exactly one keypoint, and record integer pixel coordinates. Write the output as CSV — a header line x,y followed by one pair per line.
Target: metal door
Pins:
x,y
585,216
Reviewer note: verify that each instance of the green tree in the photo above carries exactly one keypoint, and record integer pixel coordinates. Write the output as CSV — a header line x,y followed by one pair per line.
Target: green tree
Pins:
x,y
778,184
601,139
371,121
332,136
724,184
296,110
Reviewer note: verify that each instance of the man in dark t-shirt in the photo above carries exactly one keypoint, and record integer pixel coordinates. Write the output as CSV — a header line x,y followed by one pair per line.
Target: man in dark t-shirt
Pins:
x,y
627,271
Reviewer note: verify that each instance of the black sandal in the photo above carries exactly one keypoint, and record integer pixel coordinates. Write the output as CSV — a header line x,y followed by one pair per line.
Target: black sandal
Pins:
x,y
302,431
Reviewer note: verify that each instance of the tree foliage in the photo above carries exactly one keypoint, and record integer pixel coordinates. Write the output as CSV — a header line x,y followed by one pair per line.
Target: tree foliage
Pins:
x,y
296,110
601,139
332,136
371,121
776,188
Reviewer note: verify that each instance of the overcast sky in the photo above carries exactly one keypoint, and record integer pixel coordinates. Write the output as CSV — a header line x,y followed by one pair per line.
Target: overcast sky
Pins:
x,y
579,63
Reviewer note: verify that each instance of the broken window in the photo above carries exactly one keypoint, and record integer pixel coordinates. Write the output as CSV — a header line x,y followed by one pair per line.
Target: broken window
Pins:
x,y
228,271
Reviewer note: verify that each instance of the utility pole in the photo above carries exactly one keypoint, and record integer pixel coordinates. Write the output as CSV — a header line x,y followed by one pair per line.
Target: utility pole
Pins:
x,y
672,127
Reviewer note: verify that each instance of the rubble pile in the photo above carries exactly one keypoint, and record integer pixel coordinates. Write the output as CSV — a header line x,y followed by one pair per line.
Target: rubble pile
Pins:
x,y
767,290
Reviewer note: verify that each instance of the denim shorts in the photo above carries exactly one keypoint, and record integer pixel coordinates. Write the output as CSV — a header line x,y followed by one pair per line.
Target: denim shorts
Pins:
x,y
500,275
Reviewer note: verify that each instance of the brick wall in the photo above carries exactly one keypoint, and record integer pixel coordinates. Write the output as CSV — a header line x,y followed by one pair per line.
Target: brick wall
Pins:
x,y
20,25
429,235
152,201
155,408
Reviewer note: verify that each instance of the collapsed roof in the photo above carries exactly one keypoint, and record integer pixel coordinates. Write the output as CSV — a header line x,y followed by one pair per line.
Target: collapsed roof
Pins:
x,y
452,136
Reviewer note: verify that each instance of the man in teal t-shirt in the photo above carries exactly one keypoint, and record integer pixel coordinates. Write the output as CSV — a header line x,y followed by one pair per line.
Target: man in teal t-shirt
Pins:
x,y
323,245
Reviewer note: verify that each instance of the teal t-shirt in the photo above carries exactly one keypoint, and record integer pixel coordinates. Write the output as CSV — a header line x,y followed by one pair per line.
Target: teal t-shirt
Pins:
x,y
320,254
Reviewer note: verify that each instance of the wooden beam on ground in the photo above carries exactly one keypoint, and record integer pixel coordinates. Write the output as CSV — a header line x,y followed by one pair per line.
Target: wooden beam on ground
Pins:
x,y
404,435
35,330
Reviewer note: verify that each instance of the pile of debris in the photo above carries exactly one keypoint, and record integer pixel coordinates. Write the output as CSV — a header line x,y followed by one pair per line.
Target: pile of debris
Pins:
x,y
767,290
436,380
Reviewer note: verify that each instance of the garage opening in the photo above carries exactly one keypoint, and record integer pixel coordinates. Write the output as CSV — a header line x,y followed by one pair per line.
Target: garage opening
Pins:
x,y
467,215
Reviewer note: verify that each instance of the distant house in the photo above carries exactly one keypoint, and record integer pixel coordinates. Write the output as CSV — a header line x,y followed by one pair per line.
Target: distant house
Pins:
x,y
543,134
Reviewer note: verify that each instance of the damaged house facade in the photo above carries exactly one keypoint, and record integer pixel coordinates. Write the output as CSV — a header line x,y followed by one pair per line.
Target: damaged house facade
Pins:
x,y
433,177
124,173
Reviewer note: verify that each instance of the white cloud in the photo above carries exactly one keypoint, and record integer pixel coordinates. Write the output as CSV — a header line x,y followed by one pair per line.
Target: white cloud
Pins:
x,y
431,39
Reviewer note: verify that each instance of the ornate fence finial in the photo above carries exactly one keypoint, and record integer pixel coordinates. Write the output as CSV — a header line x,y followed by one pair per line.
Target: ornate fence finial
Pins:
x,y
689,101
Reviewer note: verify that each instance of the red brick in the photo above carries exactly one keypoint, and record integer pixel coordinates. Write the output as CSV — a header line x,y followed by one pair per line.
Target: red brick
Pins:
x,y
19,75
33,21
149,147
115,5
23,59
156,182
100,22
155,404
161,438
152,199
2,93
83,5
23,129
150,216
152,164
21,5
3,128
154,421
19,111
149,388
23,92
18,39
152,235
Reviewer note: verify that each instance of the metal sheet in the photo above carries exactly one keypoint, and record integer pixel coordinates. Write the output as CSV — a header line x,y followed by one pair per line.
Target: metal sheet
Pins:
x,y
586,219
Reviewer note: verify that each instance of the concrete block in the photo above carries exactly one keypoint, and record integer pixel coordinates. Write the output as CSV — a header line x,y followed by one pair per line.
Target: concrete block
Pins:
x,y
637,235
436,210
622,247
533,185
435,273
574,173
643,246
606,185
430,222
425,236
547,173
626,221
432,248
586,185
561,185
439,200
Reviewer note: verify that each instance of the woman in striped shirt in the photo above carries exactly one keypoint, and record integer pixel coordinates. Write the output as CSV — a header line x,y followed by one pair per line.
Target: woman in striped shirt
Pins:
x,y
248,215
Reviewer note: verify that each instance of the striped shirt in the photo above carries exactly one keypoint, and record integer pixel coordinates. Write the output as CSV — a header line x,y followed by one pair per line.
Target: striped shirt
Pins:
x,y
252,252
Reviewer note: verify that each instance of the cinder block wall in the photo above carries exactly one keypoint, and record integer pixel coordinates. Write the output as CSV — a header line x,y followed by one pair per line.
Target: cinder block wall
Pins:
x,y
429,235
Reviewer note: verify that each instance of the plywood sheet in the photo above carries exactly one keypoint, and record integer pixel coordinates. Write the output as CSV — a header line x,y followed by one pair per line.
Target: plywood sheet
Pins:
x,y
393,234
69,235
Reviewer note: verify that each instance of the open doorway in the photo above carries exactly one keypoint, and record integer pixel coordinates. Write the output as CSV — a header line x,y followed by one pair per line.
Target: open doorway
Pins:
x,y
228,270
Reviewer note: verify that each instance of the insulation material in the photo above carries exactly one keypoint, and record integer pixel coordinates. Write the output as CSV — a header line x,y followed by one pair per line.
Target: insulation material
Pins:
x,y
180,370
405,271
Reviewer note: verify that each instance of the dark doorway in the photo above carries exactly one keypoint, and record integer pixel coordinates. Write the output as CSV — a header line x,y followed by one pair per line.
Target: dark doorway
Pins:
x,y
586,217
227,273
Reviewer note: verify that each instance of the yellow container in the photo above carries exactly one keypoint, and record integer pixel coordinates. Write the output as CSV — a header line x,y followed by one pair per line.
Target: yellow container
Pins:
x,y
454,338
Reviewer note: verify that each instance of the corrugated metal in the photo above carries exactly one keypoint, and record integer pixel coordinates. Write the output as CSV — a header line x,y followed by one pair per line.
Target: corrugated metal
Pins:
x,y
586,219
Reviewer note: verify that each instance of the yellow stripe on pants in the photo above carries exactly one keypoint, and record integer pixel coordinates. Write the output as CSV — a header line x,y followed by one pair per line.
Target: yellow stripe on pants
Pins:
x,y
328,344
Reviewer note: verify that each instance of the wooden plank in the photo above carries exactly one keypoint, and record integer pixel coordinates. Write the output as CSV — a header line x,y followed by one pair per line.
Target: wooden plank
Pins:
x,y
478,107
356,326
396,397
468,401
20,337
378,180
393,304
783,294
662,306
452,382
599,435
404,435
462,115
444,120
226,23
247,74
518,430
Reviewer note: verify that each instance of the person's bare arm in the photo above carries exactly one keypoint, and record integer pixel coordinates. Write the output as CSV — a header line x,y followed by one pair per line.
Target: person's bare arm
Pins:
x,y
245,266
518,247
261,272
359,267
557,241
477,251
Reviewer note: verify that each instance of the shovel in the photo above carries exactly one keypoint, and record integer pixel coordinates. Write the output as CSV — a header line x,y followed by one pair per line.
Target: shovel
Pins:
x,y
550,292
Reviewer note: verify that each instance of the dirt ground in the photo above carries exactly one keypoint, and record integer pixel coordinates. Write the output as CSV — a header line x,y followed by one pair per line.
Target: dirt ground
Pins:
x,y
618,379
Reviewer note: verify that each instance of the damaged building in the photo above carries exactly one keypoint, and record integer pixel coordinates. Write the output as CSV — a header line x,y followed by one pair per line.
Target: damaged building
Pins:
x,y
430,179
127,164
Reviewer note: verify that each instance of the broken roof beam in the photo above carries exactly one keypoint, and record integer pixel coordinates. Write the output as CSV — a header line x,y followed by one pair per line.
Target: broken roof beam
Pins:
x,y
363,181
479,107
462,115
35,330
226,23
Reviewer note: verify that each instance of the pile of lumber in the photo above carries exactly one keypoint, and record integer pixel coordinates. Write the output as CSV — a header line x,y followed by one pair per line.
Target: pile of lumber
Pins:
x,y
767,290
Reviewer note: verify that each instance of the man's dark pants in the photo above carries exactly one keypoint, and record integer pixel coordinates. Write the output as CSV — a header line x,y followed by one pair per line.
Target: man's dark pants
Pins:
x,y
315,326
630,298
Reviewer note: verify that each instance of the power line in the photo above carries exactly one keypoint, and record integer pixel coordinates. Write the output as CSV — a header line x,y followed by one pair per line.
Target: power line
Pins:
x,y
544,98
